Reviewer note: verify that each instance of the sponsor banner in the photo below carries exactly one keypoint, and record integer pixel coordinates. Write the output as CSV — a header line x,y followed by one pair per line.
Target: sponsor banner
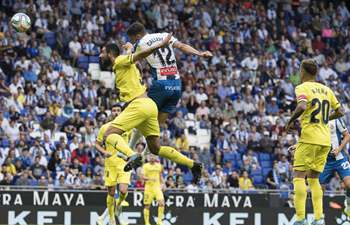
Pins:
x,y
84,207
168,71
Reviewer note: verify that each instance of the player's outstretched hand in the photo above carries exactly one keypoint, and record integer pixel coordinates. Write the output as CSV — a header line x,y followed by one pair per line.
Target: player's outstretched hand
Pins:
x,y
206,54
166,40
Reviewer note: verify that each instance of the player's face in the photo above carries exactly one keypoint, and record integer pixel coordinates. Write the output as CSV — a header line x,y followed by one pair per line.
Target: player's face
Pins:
x,y
104,55
116,111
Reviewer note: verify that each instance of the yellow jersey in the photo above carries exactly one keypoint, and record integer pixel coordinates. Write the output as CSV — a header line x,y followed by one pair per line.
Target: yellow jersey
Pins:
x,y
113,160
314,121
127,78
153,172
245,184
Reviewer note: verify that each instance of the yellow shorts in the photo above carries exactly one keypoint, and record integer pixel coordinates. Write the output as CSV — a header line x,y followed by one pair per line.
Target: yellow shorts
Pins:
x,y
141,113
310,157
115,175
152,193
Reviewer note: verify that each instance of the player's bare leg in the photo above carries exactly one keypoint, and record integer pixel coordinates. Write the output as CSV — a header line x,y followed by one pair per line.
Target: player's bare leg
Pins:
x,y
346,181
146,210
161,206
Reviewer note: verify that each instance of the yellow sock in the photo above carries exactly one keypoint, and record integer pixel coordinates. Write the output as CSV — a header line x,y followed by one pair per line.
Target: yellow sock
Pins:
x,y
146,215
110,206
118,143
317,197
121,197
160,214
173,155
300,194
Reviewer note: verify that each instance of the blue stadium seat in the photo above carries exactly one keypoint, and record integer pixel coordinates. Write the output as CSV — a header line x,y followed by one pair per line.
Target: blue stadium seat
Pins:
x,y
257,171
83,62
229,156
94,59
187,178
61,119
5,143
50,39
258,179
266,171
266,164
264,157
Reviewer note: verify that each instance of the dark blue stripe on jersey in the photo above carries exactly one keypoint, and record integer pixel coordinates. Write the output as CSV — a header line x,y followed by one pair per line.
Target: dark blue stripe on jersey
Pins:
x,y
153,73
339,134
135,46
342,123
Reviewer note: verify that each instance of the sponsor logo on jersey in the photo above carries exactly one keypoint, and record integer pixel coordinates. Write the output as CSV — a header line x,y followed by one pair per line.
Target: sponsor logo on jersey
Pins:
x,y
168,71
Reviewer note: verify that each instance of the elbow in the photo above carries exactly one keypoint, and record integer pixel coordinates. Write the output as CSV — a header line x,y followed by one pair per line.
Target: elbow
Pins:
x,y
302,107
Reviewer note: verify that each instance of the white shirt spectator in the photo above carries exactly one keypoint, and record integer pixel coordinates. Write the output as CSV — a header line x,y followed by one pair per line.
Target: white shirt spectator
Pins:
x,y
191,188
201,97
41,23
12,131
75,47
250,62
326,72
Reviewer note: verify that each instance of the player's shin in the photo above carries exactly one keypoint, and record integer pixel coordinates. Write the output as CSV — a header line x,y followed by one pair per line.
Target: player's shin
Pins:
x,y
317,195
135,138
160,214
121,198
146,215
175,156
118,143
300,194
110,206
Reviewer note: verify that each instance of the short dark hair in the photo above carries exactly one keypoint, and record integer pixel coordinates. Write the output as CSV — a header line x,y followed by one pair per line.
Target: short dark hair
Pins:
x,y
309,66
135,29
112,48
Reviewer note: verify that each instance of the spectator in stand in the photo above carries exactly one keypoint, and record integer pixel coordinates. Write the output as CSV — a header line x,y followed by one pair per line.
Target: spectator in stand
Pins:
x,y
218,178
37,170
80,154
245,183
233,180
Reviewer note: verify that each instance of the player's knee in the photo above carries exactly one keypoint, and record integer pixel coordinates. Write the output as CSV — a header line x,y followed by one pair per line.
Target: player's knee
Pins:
x,y
123,190
161,203
111,191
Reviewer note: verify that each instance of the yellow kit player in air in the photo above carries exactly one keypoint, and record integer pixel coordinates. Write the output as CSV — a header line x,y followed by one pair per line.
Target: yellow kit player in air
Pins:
x,y
152,175
114,173
315,101
141,111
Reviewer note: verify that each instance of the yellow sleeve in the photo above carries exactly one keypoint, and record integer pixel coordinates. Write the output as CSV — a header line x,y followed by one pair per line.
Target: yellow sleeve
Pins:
x,y
123,60
334,101
301,93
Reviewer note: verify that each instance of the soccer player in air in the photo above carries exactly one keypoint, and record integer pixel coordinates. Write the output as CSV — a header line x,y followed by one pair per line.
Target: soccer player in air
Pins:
x,y
165,90
152,175
114,173
314,103
141,112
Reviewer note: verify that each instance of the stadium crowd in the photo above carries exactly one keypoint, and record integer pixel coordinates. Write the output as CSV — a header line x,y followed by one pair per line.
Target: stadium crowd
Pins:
x,y
243,95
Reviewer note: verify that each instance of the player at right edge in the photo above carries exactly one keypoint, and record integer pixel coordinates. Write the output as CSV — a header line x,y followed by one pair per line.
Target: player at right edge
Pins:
x,y
314,104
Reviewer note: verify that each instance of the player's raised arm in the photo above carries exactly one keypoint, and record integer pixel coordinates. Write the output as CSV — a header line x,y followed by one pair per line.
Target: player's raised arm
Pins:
x,y
146,52
190,50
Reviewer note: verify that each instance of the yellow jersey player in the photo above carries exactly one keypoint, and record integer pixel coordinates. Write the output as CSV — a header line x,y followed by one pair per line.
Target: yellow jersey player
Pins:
x,y
152,175
141,111
315,101
113,171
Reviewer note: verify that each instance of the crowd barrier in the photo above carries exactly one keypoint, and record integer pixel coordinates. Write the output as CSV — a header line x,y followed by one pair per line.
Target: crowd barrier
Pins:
x,y
35,206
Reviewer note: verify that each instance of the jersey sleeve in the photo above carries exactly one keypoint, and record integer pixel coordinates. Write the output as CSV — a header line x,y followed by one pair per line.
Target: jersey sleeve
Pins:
x,y
123,60
341,127
334,101
301,94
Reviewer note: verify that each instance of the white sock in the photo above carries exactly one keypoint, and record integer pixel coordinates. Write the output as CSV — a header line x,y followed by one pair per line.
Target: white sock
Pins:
x,y
135,138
